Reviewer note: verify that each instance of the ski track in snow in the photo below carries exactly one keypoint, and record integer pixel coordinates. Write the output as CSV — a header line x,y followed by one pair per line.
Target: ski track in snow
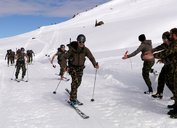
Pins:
x,y
117,103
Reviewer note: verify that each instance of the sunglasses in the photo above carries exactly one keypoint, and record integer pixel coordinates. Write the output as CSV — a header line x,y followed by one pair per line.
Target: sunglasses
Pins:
x,y
81,42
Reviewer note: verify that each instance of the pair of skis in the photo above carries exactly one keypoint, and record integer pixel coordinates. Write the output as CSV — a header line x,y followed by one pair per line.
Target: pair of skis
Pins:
x,y
75,107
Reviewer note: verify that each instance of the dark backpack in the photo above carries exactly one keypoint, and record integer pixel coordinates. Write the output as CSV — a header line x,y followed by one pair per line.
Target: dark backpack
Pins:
x,y
60,54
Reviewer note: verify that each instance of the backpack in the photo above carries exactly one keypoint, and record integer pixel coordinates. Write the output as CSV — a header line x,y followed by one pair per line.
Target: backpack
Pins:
x,y
60,55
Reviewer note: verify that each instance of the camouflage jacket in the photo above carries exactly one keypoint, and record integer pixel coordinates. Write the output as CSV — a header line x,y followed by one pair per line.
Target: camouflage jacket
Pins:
x,y
171,53
21,58
162,47
76,55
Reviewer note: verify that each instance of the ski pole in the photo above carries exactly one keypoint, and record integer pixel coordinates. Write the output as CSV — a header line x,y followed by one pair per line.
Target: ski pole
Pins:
x,y
13,73
94,86
48,56
27,72
54,92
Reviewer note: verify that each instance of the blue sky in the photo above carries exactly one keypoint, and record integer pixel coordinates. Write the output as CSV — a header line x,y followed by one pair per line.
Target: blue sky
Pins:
x,y
20,16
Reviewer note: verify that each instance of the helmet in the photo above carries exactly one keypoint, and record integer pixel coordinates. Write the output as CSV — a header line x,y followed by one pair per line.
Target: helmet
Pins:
x,y
81,38
62,46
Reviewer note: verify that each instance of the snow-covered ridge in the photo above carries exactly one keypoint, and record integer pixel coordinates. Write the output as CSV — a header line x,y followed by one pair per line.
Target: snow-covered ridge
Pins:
x,y
124,21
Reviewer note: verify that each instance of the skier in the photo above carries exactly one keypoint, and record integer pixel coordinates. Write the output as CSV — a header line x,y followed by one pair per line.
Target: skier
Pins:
x,y
13,57
20,63
172,52
165,71
61,61
147,56
30,55
76,60
10,57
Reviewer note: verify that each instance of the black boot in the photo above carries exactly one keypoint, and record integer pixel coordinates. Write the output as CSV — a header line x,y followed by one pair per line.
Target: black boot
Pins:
x,y
172,98
171,106
150,91
157,95
173,113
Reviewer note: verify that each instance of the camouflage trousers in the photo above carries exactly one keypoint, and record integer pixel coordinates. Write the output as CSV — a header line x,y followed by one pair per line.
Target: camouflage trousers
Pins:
x,y
30,59
18,67
76,75
175,84
165,77
10,60
147,65
62,70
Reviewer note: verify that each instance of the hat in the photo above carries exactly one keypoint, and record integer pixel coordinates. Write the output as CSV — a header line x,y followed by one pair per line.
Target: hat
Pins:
x,y
142,37
166,35
22,49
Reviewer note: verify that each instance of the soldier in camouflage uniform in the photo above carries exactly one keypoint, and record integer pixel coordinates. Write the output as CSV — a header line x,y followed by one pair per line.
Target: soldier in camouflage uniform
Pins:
x,y
20,63
165,71
171,53
147,56
61,60
76,60
10,56
30,55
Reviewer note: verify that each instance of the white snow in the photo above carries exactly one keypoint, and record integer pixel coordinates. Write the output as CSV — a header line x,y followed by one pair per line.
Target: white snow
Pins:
x,y
119,99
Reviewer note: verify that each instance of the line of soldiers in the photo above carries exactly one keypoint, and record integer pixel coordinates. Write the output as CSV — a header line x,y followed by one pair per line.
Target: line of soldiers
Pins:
x,y
21,59
167,54
73,61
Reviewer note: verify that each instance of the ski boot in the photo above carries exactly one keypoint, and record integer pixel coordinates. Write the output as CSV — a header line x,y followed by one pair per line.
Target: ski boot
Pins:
x,y
171,106
157,95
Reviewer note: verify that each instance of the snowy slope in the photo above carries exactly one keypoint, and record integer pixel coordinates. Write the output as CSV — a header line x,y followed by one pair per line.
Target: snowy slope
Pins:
x,y
119,99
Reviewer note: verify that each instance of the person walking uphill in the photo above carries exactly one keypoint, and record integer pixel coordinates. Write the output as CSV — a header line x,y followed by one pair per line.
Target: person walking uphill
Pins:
x,y
10,56
20,63
61,61
76,60
166,71
146,49
172,53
